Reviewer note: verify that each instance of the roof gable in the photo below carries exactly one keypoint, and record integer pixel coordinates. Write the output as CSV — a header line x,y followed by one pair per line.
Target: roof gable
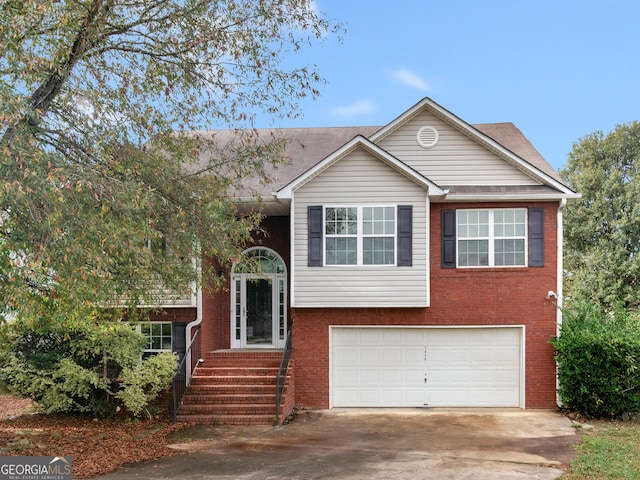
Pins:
x,y
503,140
359,141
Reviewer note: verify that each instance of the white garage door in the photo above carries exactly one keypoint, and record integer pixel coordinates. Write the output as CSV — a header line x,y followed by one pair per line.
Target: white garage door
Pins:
x,y
434,367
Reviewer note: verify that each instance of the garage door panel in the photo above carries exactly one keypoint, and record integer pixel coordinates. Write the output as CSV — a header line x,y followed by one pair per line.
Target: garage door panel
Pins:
x,y
345,396
370,377
505,355
457,355
508,376
342,356
347,337
393,337
415,398
370,356
459,376
437,356
483,355
414,376
371,337
436,377
345,377
414,355
393,397
392,356
392,376
484,376
463,366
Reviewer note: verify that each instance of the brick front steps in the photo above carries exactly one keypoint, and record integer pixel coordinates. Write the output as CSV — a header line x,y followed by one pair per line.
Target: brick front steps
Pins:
x,y
236,387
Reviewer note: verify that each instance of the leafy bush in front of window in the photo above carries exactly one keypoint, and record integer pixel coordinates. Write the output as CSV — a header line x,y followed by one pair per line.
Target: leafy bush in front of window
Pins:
x,y
146,381
90,367
598,355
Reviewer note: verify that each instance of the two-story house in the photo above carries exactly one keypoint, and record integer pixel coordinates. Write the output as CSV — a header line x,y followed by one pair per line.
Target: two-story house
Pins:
x,y
417,264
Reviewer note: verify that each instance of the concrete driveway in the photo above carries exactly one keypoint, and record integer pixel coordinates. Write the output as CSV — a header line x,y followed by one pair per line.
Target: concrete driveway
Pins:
x,y
374,444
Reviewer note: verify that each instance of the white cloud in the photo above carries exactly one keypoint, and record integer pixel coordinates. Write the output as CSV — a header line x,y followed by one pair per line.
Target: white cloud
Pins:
x,y
411,80
362,107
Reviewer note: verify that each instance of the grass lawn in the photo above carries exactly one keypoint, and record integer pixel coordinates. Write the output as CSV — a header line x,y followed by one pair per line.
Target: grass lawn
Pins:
x,y
610,451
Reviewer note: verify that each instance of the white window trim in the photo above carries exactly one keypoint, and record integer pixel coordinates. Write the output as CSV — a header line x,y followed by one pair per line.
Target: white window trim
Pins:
x,y
360,236
156,350
491,238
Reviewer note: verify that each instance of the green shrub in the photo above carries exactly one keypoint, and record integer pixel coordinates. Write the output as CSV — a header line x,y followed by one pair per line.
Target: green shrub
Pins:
x,y
90,367
598,354
141,384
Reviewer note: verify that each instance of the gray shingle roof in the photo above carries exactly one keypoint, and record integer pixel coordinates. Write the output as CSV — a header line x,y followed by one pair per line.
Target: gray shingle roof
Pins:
x,y
307,146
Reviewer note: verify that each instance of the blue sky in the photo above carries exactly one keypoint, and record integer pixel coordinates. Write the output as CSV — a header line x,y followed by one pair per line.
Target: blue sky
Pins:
x,y
557,69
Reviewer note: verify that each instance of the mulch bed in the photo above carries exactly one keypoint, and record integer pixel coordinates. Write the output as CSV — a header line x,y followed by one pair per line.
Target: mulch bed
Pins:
x,y
96,446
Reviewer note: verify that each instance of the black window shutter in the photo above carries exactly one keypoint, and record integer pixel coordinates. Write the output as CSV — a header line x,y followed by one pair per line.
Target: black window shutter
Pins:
x,y
314,242
448,239
536,237
405,235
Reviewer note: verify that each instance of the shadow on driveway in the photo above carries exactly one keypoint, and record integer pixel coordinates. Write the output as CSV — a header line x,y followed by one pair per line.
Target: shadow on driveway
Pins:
x,y
374,444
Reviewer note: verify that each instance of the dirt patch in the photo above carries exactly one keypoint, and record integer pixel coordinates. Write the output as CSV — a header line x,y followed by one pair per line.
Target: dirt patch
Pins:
x,y
97,446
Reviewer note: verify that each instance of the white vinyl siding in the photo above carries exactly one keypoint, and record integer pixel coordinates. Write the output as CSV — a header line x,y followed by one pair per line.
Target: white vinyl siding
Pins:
x,y
360,179
164,297
455,160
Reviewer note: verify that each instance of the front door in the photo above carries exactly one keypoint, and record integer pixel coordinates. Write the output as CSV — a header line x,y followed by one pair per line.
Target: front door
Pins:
x,y
258,310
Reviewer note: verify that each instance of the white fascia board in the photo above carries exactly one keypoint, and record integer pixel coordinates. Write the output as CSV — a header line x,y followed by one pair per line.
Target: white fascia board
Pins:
x,y
460,124
286,192
502,197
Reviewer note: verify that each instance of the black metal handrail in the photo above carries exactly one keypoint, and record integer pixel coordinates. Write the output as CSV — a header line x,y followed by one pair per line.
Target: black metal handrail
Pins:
x,y
282,375
182,377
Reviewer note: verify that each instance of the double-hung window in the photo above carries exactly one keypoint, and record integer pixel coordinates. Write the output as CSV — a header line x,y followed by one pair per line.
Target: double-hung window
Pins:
x,y
378,235
158,337
341,235
492,238
364,235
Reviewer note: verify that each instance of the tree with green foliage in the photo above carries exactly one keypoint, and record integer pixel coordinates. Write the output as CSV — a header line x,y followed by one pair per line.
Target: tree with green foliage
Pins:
x,y
103,186
602,230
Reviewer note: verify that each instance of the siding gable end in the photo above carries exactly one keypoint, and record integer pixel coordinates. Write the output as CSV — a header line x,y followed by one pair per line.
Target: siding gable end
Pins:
x,y
456,159
362,179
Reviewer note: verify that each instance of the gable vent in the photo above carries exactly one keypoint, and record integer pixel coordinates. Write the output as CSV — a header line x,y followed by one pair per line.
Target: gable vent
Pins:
x,y
427,137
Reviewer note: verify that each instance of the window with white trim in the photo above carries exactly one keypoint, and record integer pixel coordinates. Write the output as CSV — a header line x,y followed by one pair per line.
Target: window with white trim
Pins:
x,y
492,238
158,337
360,235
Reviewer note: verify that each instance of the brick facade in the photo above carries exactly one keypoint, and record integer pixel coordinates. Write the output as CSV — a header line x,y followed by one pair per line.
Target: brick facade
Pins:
x,y
480,296
216,306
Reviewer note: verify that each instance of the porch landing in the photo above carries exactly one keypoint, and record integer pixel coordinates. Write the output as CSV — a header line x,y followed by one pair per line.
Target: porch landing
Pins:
x,y
237,387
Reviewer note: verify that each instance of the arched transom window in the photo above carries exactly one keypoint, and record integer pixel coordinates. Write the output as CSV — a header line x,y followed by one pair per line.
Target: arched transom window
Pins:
x,y
259,261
